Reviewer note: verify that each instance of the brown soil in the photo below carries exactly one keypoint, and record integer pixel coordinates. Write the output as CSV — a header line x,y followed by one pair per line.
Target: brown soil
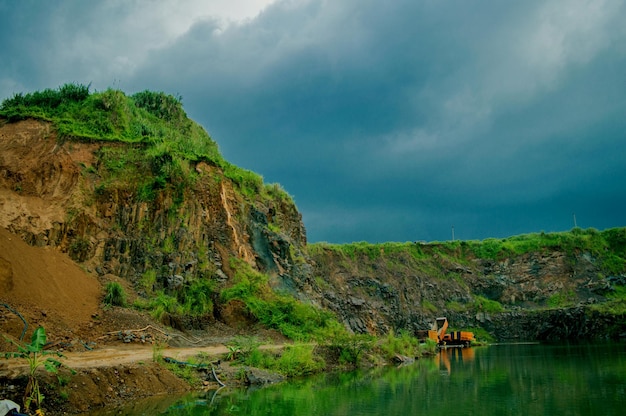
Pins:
x,y
111,349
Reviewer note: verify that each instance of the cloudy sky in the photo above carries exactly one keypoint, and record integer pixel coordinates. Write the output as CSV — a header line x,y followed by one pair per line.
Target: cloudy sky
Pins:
x,y
385,120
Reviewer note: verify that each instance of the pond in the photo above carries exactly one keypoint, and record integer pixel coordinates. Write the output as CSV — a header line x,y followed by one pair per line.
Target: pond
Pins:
x,y
513,379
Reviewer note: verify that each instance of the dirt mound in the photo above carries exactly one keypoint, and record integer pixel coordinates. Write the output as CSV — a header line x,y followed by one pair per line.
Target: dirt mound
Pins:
x,y
45,285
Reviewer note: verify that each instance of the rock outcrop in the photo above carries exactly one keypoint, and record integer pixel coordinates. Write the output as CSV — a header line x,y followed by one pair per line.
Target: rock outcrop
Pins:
x,y
61,194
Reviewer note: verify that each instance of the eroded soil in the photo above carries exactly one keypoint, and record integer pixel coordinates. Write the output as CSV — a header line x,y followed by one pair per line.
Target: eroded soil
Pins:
x,y
112,350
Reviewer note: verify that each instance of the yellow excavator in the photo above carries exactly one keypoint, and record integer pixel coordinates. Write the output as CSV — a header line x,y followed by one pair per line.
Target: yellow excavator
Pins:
x,y
438,333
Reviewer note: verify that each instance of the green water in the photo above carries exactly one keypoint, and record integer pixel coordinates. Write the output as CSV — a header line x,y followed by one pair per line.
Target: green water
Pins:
x,y
588,379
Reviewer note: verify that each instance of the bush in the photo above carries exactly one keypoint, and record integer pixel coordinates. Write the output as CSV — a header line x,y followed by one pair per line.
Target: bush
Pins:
x,y
404,345
294,319
196,298
483,304
298,360
350,346
115,295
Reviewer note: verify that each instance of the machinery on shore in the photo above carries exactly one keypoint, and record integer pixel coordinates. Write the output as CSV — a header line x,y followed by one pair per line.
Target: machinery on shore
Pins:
x,y
438,333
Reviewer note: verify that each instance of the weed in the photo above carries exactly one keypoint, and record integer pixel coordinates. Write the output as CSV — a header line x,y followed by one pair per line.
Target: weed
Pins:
x,y
404,345
350,346
242,346
115,295
186,372
79,249
455,306
157,351
298,360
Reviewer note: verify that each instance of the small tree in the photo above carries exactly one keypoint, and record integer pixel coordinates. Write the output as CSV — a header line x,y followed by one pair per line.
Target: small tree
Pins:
x,y
34,354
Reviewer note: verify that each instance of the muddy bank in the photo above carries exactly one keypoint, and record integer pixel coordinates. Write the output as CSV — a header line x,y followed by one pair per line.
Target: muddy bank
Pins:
x,y
96,388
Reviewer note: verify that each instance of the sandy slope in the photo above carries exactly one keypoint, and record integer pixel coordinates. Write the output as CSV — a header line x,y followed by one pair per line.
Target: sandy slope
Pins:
x,y
41,283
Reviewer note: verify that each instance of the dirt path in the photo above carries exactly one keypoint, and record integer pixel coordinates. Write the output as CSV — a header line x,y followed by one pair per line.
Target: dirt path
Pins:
x,y
118,356
113,357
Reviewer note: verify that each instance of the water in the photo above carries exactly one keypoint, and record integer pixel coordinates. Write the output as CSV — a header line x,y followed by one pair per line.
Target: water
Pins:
x,y
530,379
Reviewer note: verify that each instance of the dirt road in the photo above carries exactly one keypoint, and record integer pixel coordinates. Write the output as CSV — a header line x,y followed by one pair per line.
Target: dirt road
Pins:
x,y
112,357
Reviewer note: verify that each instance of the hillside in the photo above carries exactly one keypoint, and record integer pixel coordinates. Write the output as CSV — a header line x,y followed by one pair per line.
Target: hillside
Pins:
x,y
532,287
135,193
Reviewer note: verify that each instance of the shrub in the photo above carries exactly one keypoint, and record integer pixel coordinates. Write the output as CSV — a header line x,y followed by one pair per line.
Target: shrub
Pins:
x,y
404,344
242,346
483,304
115,294
196,297
296,320
350,346
298,360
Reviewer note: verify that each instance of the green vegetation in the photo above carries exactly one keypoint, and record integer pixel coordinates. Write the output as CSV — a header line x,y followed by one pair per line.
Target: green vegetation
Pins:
x,y
293,361
563,299
163,140
428,306
483,304
350,347
296,320
616,305
36,357
403,345
152,118
365,250
193,300
577,240
115,294
481,335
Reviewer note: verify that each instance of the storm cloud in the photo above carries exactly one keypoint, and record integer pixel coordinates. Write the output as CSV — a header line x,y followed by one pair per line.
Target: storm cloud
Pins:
x,y
386,121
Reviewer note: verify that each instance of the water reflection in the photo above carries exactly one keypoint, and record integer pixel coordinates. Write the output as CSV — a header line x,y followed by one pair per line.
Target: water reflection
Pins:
x,y
454,355
527,380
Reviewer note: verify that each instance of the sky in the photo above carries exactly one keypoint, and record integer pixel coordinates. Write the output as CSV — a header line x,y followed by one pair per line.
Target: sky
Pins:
x,y
404,120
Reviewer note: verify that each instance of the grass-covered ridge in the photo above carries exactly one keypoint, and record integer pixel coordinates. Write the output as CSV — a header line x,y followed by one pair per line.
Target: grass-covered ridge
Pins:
x,y
154,123
609,245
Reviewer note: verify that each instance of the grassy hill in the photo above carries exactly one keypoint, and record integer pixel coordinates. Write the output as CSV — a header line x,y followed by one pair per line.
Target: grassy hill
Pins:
x,y
194,235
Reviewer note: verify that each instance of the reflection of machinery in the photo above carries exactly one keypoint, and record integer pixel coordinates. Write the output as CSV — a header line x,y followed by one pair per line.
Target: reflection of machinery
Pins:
x,y
455,355
438,334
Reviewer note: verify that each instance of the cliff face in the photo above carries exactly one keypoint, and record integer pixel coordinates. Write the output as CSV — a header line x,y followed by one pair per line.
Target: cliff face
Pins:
x,y
63,195
59,194
538,295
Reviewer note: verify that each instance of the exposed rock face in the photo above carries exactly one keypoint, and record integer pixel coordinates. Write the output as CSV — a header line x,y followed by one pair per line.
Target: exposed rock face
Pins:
x,y
56,194
395,291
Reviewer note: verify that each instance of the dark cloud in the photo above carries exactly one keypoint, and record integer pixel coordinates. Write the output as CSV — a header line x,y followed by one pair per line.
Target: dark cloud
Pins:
x,y
387,121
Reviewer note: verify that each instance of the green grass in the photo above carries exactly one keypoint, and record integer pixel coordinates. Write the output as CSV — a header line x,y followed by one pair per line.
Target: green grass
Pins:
x,y
563,299
194,299
428,306
402,344
161,140
609,246
114,294
295,319
483,304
